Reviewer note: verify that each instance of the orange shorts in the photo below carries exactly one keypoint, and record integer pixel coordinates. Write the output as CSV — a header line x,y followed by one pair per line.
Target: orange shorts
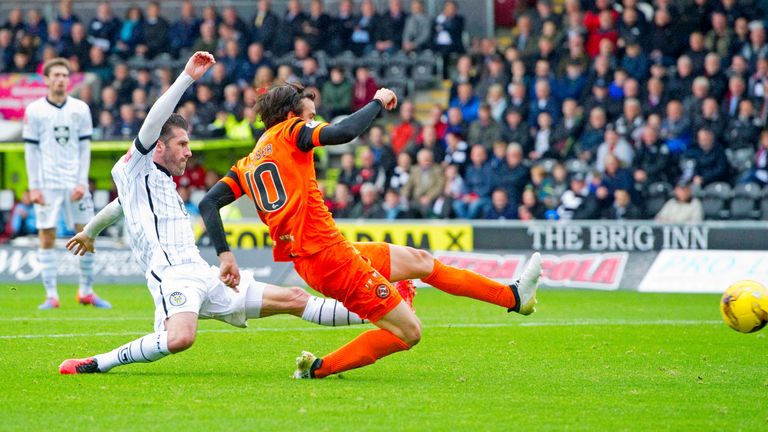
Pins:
x,y
378,254
342,272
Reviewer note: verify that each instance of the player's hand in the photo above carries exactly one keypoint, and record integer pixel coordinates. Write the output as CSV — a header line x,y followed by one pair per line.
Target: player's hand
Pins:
x,y
199,64
77,193
80,244
36,196
387,97
228,271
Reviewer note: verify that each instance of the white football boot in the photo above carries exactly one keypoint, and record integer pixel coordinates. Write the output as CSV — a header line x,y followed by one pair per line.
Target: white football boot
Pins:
x,y
525,287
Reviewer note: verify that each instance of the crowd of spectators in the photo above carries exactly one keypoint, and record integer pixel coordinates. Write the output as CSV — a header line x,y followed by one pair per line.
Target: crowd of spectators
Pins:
x,y
573,114
582,112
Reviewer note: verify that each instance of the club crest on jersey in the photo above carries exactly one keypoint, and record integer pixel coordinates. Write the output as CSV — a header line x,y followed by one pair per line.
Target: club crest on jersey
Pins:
x,y
177,299
382,291
61,134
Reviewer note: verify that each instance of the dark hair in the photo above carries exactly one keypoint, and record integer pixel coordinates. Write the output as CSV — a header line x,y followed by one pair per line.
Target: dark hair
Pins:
x,y
275,105
58,61
174,121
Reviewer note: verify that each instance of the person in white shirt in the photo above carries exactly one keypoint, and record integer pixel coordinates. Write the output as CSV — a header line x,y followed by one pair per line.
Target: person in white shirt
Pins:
x,y
57,136
184,287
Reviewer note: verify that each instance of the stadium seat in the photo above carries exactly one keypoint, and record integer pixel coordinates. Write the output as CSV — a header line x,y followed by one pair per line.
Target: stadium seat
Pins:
x,y
423,69
745,201
577,166
399,86
398,59
372,61
547,164
715,200
100,199
345,60
656,195
741,159
396,72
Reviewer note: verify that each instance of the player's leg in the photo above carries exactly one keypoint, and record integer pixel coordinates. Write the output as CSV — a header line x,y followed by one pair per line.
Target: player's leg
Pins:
x,y
380,258
365,291
275,300
178,298
48,264
399,330
47,215
411,263
78,213
179,334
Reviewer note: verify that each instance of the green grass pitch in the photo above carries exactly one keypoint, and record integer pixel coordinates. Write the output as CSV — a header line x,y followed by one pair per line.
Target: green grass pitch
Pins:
x,y
591,361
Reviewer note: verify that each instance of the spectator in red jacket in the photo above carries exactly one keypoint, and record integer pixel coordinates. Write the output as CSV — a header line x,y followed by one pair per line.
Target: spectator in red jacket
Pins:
x,y
407,131
605,30
364,88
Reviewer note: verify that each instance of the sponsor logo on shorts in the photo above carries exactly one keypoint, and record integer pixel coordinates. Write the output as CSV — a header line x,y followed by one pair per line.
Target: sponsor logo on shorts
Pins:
x,y
177,299
382,291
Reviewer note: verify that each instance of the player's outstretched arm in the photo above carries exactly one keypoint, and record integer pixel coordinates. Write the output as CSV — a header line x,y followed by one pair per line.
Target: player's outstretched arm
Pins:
x,y
196,67
83,241
352,126
219,196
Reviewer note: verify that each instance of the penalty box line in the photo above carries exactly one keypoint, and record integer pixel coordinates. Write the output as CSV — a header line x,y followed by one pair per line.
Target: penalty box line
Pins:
x,y
569,323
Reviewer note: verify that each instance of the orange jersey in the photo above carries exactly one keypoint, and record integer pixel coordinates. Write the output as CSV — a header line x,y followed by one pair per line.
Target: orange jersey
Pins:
x,y
280,179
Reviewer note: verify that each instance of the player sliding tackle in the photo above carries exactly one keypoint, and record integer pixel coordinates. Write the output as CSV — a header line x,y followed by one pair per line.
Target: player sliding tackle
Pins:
x,y
279,176
182,284
274,300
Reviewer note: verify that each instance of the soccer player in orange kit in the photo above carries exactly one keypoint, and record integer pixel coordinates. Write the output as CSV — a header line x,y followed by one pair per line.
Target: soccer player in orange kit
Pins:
x,y
279,177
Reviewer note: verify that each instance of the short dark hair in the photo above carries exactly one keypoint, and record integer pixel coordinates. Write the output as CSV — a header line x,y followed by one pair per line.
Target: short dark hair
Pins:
x,y
174,121
277,103
58,61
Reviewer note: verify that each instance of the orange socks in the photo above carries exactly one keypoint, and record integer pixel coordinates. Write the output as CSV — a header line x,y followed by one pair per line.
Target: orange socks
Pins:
x,y
361,351
466,283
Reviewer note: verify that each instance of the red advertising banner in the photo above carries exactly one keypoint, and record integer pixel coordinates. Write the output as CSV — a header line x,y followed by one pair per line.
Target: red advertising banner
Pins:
x,y
19,90
590,270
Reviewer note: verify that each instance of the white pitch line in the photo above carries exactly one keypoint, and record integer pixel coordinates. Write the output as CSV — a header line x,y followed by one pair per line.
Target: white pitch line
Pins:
x,y
574,323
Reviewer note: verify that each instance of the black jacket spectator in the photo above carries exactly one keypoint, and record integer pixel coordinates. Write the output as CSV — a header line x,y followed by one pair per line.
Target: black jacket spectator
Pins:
x,y
155,30
665,37
390,32
447,30
184,32
103,29
343,24
654,160
316,26
516,132
711,162
742,132
264,27
513,175
366,30
291,27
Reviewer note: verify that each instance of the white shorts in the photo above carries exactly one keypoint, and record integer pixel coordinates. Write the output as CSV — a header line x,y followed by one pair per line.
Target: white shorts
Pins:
x,y
196,288
57,200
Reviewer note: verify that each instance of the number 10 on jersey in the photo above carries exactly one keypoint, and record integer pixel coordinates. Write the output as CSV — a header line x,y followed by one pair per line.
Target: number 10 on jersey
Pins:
x,y
269,192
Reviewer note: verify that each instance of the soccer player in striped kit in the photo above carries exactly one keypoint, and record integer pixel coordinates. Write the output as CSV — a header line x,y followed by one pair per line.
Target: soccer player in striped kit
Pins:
x,y
184,287
57,136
